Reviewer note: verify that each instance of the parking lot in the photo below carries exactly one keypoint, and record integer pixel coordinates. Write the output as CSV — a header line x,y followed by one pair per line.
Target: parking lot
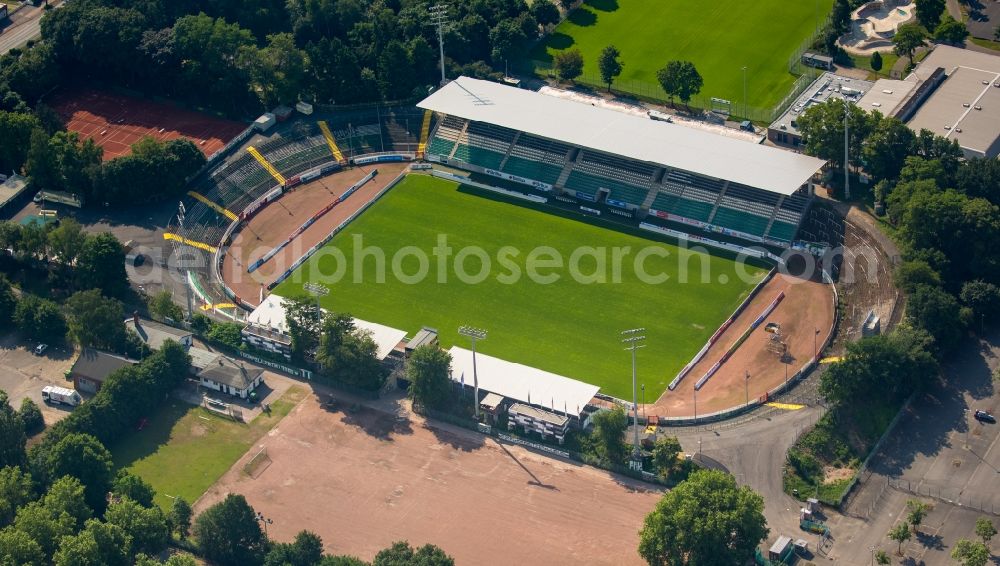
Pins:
x,y
23,374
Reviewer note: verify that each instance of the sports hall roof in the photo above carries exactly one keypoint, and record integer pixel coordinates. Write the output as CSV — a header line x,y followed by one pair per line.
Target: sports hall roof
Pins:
x,y
522,383
618,133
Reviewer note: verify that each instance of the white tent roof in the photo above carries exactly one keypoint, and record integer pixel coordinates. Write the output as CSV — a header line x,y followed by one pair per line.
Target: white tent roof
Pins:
x,y
618,133
271,314
522,383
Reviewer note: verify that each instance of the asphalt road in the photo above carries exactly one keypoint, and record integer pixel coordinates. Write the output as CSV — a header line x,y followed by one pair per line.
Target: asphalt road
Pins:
x,y
24,24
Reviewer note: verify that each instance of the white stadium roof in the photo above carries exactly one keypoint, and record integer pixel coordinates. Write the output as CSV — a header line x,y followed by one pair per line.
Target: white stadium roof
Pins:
x,y
522,383
618,133
271,314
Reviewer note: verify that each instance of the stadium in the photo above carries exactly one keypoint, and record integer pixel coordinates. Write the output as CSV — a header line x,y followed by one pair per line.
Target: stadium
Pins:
x,y
502,165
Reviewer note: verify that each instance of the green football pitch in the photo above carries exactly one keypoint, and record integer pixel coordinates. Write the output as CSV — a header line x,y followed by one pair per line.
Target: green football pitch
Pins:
x,y
570,326
719,37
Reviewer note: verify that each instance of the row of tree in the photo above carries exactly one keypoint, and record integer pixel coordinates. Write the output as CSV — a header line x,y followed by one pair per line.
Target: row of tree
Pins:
x,y
238,57
73,259
678,79
60,161
331,342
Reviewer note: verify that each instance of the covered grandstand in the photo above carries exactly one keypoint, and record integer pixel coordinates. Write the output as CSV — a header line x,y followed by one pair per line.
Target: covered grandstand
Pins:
x,y
656,170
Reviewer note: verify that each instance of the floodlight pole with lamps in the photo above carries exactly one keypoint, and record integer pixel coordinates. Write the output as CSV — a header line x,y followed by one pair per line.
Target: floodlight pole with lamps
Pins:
x,y
745,117
746,387
265,521
474,334
633,340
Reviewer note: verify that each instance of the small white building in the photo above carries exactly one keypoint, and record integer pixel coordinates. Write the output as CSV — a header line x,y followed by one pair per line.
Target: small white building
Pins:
x,y
226,376
532,419
154,334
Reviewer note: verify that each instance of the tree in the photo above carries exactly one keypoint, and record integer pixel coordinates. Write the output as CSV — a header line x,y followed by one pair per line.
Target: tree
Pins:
x,y
507,39
706,519
17,547
228,533
886,148
306,550
228,333
665,452
938,312
609,432
129,485
929,12
951,31
40,319
146,527
15,491
907,39
822,128
916,511
402,554
876,61
429,373
609,65
881,557
900,533
101,265
83,457
31,417
680,79
174,560
96,321
16,129
41,164
568,64
304,319
8,302
66,240
545,12
43,526
985,529
180,517
912,274
162,305
200,324
66,495
982,297
342,561
348,354
12,437
567,4
277,71
970,553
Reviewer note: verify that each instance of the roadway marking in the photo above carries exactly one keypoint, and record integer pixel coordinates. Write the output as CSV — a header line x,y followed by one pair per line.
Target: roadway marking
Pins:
x,y
787,406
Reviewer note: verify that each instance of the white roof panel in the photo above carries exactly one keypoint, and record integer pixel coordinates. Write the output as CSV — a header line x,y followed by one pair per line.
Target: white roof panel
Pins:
x,y
618,133
522,383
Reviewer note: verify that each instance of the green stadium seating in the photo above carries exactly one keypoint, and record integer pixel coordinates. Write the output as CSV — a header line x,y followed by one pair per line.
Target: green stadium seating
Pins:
x,y
440,147
536,170
479,156
741,221
693,209
782,231
617,190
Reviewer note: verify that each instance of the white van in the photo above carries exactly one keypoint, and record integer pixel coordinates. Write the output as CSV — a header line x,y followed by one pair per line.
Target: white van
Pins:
x,y
61,395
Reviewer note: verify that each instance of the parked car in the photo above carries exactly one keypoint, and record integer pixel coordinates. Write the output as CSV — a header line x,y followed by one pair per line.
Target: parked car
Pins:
x,y
40,349
984,417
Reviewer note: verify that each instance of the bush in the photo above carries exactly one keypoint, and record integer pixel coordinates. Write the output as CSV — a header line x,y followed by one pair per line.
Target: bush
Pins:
x,y
31,416
227,333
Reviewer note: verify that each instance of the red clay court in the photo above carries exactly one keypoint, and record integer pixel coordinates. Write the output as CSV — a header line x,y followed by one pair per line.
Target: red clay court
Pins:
x,y
115,122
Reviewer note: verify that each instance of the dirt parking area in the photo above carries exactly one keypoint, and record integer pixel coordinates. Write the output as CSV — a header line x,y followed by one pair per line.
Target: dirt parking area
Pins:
x,y
363,478
23,374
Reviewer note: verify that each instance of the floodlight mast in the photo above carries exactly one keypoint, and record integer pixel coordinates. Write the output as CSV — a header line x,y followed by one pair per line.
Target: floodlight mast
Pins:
x,y
633,339
474,334
439,19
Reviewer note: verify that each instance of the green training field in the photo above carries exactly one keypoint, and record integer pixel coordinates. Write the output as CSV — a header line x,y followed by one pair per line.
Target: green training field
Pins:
x,y
719,37
566,327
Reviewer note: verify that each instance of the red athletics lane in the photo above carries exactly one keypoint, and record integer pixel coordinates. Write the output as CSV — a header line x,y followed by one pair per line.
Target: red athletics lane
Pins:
x,y
115,121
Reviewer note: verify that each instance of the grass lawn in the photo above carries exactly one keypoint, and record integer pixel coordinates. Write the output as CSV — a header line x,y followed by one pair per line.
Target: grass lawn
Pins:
x,y
184,449
865,62
719,37
566,327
